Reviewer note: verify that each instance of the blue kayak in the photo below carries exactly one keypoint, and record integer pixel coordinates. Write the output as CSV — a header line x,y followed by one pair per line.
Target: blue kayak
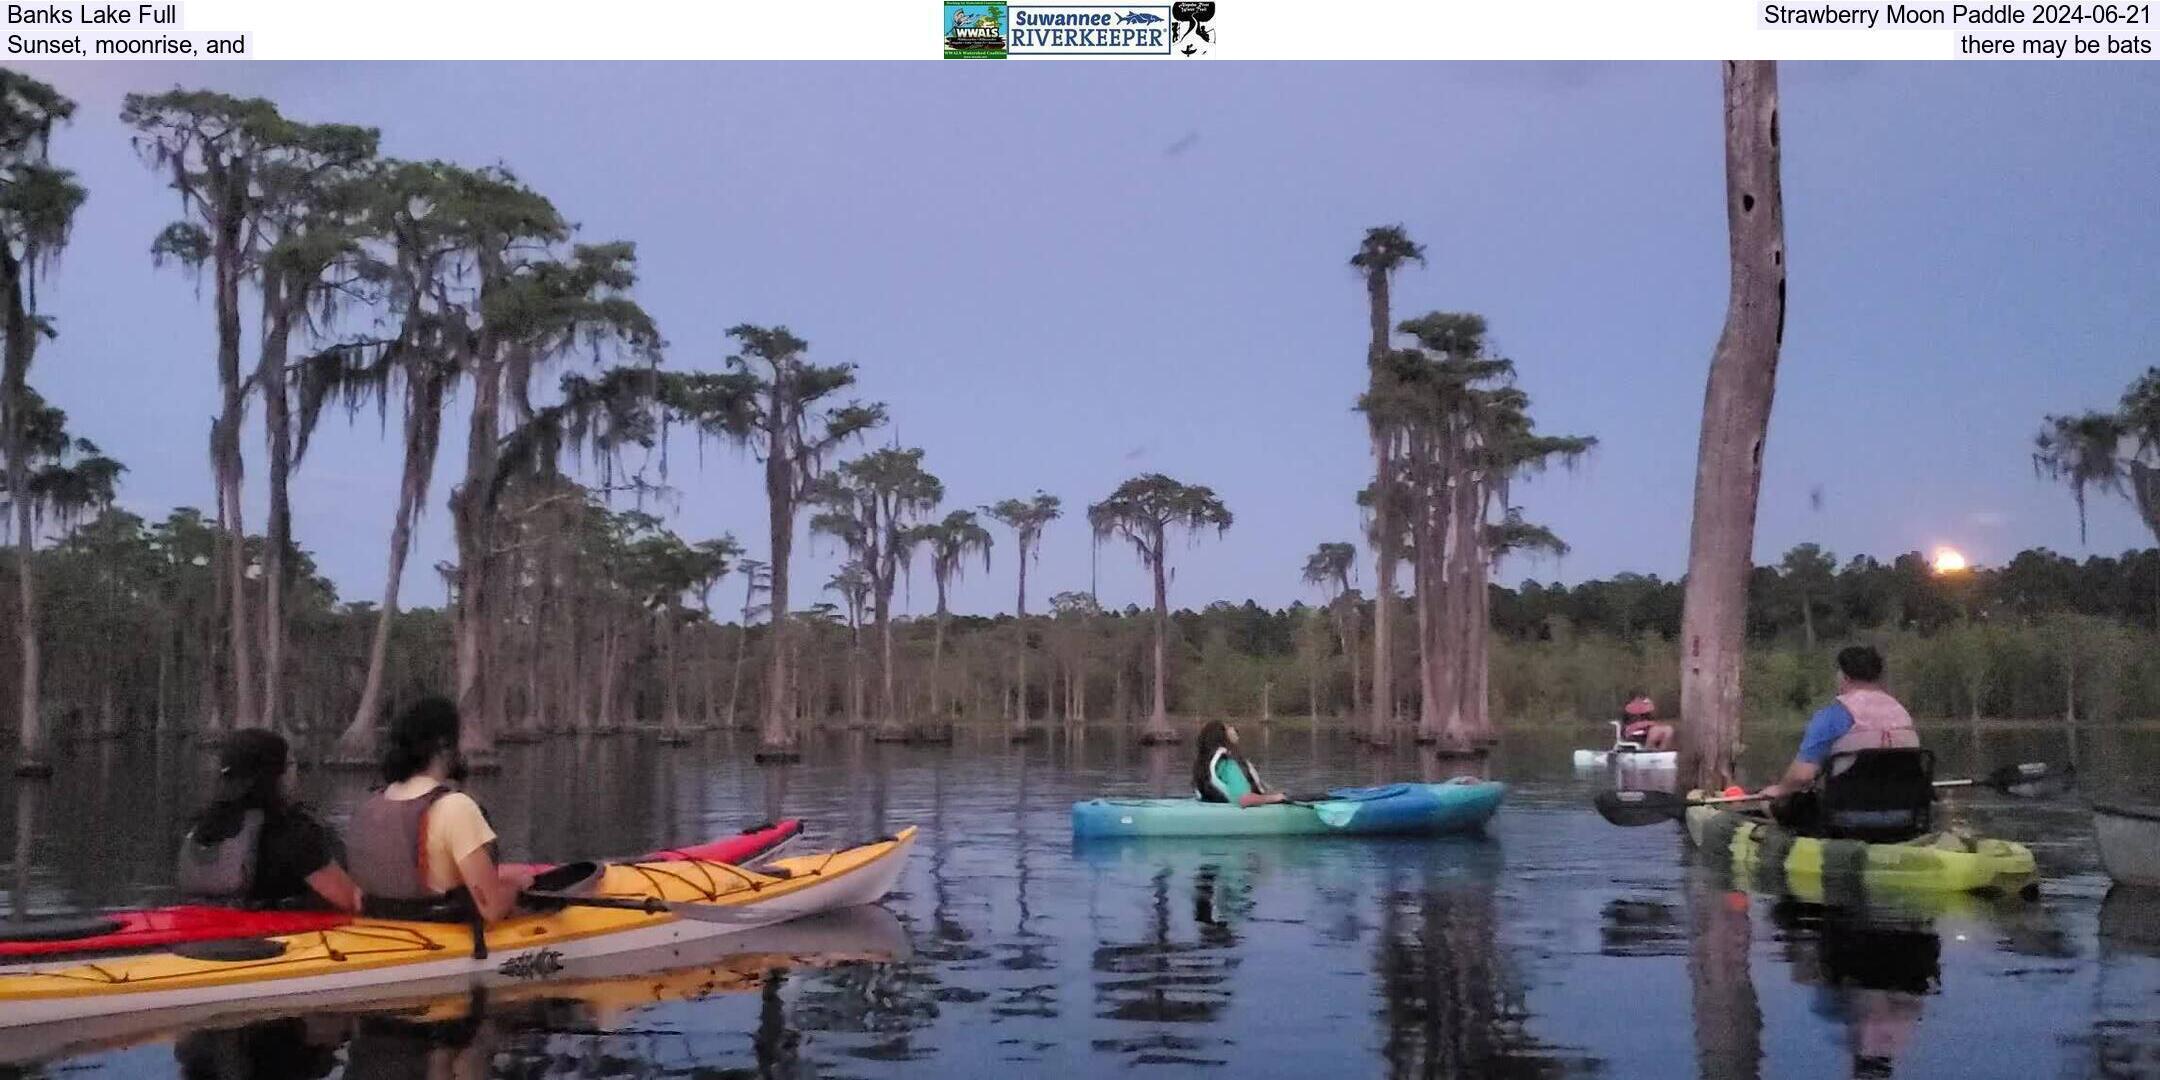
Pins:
x,y
1395,809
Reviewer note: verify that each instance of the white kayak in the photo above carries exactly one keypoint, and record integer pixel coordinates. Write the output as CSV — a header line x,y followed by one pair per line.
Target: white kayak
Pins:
x,y
1627,759
2129,840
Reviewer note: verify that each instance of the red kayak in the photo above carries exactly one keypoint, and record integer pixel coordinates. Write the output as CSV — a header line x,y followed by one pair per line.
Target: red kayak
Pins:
x,y
150,928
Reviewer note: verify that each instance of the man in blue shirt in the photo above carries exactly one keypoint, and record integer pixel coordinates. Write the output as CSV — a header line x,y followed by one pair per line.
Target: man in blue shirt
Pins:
x,y
1863,717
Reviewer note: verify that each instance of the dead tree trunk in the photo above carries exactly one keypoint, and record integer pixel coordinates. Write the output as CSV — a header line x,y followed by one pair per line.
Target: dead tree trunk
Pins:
x,y
1736,422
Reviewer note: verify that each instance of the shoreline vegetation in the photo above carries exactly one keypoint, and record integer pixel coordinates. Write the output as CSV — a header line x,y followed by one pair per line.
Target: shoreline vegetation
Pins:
x,y
376,287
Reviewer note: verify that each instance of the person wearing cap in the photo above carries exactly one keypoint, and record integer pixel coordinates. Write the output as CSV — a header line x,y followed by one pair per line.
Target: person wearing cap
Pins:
x,y
1639,724
1863,716
254,845
420,847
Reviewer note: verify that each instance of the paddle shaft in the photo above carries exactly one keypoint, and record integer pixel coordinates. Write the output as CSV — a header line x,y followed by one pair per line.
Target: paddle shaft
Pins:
x,y
649,906
1727,800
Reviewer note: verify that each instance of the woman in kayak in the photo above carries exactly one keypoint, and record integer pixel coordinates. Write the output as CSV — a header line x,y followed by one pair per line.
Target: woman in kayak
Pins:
x,y
1220,772
420,847
255,846
1639,724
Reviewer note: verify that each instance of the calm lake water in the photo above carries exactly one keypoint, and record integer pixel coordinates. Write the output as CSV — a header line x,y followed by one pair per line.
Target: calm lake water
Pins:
x,y
1556,945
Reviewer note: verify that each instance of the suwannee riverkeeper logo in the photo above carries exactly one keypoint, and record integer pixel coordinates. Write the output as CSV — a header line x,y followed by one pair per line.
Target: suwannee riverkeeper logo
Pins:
x,y
980,30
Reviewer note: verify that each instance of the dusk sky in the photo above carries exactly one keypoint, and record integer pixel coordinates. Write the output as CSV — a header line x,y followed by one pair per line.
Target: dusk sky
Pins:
x,y
1058,276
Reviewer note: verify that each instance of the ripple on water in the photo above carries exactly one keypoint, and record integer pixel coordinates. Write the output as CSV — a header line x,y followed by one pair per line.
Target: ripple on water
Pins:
x,y
1554,946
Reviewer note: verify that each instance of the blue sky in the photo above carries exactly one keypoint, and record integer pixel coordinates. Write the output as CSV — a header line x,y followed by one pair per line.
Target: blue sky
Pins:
x,y
1061,275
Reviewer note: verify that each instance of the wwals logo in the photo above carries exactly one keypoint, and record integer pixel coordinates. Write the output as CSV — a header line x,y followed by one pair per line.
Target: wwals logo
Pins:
x,y
974,31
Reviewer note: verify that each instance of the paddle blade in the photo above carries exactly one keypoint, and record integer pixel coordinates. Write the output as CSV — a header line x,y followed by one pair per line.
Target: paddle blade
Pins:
x,y
2032,779
1629,809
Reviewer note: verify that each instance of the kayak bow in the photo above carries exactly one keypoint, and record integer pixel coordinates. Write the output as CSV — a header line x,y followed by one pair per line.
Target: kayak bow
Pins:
x,y
382,956
155,928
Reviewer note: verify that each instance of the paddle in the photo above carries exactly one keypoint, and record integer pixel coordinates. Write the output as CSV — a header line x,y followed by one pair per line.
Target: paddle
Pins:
x,y
1628,809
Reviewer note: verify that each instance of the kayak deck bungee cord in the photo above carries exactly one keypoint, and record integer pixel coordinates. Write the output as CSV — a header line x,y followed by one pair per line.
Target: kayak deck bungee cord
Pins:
x,y
366,953
138,929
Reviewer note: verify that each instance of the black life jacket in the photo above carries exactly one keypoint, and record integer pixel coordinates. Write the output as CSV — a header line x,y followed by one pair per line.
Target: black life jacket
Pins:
x,y
221,869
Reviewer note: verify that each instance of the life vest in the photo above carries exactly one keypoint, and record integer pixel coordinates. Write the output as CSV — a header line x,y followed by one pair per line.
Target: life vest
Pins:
x,y
221,869
387,847
1879,723
1215,792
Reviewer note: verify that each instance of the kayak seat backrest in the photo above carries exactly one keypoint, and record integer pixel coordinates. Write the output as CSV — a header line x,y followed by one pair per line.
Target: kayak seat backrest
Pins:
x,y
1880,796
1619,740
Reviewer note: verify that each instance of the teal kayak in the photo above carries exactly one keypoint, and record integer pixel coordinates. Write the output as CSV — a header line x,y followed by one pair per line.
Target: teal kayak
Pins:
x,y
1456,806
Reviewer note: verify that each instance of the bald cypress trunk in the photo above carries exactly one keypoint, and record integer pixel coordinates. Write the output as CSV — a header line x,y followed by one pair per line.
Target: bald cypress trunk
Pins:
x,y
21,341
279,302
1385,527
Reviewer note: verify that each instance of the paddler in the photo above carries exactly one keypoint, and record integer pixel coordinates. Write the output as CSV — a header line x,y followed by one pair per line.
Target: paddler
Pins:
x,y
253,845
1221,773
1862,717
420,847
1639,724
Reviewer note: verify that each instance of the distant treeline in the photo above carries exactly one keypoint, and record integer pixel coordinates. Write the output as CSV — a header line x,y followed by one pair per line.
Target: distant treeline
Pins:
x,y
130,642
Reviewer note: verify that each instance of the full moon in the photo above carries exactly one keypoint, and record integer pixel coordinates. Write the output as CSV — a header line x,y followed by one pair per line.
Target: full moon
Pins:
x,y
1949,560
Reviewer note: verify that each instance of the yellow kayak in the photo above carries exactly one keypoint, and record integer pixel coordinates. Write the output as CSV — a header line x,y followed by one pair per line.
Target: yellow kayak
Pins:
x,y
604,991
1939,862
370,959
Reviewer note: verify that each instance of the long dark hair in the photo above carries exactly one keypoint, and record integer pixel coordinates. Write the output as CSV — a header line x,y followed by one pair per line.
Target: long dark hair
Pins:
x,y
250,768
426,728
1215,735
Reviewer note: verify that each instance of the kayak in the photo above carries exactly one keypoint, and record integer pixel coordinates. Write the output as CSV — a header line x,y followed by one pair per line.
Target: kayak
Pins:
x,y
1627,759
1457,806
2129,842
155,928
1938,862
386,957
605,991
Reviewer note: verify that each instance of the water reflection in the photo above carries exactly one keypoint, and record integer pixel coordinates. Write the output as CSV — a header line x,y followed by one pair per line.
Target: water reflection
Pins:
x,y
2125,1035
1161,980
26,808
615,1026
1631,927
1454,1001
1584,945
1728,1017
1871,976
298,1047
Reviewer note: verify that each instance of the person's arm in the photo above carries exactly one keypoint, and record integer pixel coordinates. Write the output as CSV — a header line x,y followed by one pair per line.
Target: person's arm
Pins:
x,y
333,884
1824,729
494,888
1255,793
320,848
467,833
1798,776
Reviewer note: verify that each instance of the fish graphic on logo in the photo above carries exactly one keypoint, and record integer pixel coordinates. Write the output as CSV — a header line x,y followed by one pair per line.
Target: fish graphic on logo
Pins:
x,y
1139,17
